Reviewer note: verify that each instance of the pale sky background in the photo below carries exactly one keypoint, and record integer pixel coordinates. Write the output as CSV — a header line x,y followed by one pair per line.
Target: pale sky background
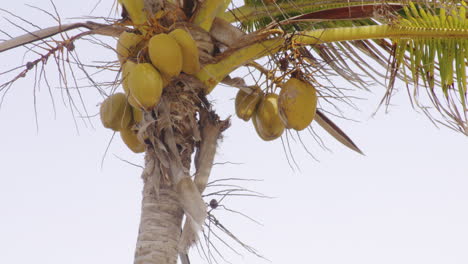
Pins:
x,y
405,202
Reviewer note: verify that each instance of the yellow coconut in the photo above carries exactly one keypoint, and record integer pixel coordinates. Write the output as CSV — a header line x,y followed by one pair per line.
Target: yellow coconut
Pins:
x,y
135,9
246,103
165,54
266,119
127,45
115,112
130,139
126,68
188,46
145,86
297,104
137,115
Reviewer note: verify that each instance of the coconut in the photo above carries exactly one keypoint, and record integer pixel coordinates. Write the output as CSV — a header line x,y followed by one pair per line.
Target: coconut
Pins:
x,y
115,112
266,118
130,139
126,68
246,103
190,57
145,86
165,54
297,104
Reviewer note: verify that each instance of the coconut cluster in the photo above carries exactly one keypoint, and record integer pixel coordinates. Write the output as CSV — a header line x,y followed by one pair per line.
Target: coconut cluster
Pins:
x,y
294,108
148,64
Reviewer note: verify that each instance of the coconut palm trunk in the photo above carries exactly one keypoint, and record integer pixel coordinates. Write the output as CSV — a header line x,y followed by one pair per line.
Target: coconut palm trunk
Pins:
x,y
160,225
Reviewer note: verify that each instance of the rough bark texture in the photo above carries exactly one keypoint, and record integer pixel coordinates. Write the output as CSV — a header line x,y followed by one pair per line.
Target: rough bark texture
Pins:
x,y
160,224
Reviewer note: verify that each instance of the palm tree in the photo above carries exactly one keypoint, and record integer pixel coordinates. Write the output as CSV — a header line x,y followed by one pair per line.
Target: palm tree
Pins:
x,y
277,40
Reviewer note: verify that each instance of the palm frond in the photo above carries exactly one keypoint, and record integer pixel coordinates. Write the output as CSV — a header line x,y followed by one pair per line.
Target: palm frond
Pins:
x,y
436,62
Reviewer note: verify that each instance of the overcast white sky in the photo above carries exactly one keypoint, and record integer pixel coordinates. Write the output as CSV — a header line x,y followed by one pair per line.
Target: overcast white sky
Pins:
x,y
405,202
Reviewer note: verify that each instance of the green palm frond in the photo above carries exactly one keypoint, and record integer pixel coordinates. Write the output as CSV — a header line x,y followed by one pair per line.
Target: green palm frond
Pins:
x,y
436,62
